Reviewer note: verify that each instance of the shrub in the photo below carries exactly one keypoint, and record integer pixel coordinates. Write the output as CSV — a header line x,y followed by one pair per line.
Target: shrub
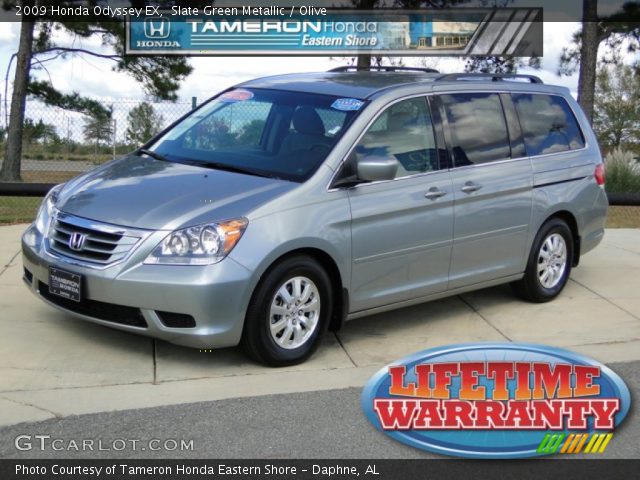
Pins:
x,y
623,172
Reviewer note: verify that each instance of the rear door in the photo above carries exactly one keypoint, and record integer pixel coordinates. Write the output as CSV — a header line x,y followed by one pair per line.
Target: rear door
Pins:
x,y
492,186
402,228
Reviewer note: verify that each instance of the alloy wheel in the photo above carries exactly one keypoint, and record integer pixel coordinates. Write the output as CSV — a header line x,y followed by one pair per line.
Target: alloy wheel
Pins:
x,y
295,312
552,260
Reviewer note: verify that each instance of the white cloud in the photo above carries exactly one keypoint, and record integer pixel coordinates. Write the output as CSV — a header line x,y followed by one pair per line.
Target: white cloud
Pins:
x,y
8,31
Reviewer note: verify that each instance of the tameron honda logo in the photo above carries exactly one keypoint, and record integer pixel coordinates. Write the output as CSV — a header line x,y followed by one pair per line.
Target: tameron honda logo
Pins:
x,y
498,401
76,241
157,28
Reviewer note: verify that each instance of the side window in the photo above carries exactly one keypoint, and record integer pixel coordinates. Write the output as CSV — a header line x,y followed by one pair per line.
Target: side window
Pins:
x,y
477,128
403,131
548,124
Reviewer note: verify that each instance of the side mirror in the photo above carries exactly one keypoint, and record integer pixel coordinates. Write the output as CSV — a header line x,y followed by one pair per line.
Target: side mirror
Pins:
x,y
375,168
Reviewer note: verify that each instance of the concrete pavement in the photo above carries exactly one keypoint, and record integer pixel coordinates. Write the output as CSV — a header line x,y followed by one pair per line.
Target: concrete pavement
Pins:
x,y
52,366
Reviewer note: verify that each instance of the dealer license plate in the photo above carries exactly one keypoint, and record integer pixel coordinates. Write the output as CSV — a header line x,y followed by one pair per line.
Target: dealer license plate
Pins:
x,y
65,284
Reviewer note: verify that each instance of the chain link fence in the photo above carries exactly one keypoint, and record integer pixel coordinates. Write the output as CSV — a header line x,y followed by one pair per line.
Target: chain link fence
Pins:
x,y
59,144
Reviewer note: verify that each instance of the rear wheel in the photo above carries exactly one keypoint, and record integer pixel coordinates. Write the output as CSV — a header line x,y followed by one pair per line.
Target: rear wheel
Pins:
x,y
549,263
289,313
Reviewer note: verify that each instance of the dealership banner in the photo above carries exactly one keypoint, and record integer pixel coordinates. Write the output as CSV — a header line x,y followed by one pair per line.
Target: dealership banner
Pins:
x,y
296,31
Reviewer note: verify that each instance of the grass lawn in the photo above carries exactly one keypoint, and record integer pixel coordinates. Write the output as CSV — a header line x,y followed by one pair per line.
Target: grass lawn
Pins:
x,y
23,209
18,209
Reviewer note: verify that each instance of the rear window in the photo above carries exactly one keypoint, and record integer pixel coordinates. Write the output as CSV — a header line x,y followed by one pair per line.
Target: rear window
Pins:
x,y
548,124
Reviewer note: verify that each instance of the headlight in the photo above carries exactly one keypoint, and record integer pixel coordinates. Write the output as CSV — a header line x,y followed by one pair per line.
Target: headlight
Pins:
x,y
199,245
46,210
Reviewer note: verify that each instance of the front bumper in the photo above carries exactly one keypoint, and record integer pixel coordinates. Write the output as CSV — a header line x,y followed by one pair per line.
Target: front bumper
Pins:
x,y
216,296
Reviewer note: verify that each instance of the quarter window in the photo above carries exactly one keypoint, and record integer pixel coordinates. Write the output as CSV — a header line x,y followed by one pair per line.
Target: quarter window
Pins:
x,y
477,128
403,131
548,124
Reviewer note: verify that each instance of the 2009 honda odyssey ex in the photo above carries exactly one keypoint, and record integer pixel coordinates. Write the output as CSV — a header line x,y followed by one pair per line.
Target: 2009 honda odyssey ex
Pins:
x,y
287,204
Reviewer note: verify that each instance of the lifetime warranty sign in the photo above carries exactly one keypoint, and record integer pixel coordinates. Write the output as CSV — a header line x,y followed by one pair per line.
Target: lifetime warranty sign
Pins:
x,y
232,31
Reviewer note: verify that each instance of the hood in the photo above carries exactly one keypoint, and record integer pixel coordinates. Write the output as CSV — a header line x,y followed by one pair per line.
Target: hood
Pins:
x,y
152,194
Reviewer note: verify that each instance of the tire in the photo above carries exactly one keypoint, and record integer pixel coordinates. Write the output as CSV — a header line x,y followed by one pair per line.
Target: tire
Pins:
x,y
277,330
534,286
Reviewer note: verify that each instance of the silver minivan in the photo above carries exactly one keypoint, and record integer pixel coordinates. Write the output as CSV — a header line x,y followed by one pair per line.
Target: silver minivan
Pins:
x,y
286,205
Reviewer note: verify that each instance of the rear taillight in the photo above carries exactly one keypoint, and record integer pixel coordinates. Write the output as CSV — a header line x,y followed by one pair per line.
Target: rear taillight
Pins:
x,y
599,174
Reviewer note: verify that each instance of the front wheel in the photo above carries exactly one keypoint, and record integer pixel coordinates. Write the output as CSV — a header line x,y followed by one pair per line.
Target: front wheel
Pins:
x,y
549,263
288,313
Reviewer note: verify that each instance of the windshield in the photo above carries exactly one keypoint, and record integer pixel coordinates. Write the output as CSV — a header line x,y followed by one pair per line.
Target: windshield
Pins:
x,y
273,133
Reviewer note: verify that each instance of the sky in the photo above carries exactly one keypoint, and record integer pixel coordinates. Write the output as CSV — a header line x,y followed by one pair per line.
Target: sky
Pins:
x,y
94,77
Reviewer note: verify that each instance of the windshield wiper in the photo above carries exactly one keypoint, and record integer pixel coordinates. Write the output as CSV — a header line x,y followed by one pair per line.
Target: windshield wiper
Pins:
x,y
153,154
213,165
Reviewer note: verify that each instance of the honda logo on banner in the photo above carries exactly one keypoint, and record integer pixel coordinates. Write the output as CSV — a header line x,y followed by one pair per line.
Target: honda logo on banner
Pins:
x,y
76,241
157,27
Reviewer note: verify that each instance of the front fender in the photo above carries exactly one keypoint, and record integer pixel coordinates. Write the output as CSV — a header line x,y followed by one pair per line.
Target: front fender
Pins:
x,y
325,226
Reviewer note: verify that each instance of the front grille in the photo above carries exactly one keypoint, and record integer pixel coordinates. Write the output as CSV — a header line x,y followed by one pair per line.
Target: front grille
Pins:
x,y
101,310
176,320
103,244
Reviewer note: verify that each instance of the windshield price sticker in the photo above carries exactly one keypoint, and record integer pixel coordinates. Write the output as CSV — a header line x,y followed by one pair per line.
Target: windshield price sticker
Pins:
x,y
236,96
347,104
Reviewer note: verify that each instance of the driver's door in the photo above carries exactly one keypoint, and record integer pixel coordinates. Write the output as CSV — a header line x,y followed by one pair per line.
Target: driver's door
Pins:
x,y
402,228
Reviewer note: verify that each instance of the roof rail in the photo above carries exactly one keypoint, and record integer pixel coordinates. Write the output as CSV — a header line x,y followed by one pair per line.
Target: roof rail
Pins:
x,y
494,77
386,68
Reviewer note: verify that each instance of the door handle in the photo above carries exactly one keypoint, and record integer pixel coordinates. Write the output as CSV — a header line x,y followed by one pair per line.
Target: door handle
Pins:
x,y
434,193
471,187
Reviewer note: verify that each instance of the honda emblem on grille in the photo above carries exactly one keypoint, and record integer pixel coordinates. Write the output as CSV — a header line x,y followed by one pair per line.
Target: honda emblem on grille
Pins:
x,y
76,241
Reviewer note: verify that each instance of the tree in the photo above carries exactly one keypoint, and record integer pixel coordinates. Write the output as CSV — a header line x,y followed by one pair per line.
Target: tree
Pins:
x,y
588,56
251,133
144,123
98,129
614,31
38,132
499,64
363,60
13,146
616,118
159,76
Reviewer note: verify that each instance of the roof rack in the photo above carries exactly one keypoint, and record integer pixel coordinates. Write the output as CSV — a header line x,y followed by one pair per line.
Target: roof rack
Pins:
x,y
387,68
494,77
